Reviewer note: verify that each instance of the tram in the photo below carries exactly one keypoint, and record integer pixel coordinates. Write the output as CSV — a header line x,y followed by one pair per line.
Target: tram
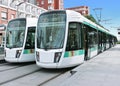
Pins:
x,y
65,38
20,40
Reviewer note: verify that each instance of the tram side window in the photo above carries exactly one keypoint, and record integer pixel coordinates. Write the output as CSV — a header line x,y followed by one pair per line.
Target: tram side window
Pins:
x,y
30,40
107,36
92,36
74,37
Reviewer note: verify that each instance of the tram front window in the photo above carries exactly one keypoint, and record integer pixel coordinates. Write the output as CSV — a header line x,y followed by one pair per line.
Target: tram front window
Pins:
x,y
51,30
15,33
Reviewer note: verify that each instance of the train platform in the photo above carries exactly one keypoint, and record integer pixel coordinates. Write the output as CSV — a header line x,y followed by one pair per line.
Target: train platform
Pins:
x,y
102,70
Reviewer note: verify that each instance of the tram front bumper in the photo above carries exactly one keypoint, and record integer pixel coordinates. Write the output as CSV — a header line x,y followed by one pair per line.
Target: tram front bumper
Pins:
x,y
11,59
47,65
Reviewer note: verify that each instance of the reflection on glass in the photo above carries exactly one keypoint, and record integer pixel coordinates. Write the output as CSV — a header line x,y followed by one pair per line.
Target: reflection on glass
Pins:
x,y
15,33
30,39
51,30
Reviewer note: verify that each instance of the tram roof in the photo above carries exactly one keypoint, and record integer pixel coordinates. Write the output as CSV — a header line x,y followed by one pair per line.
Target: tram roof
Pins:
x,y
88,22
84,20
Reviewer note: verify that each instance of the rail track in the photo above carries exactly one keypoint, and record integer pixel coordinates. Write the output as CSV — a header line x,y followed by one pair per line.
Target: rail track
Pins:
x,y
27,74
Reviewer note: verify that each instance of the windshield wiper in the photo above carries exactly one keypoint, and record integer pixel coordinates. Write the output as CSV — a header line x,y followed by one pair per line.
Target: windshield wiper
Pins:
x,y
9,47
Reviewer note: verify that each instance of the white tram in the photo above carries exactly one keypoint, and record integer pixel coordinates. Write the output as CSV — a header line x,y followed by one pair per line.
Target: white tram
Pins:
x,y
65,38
20,40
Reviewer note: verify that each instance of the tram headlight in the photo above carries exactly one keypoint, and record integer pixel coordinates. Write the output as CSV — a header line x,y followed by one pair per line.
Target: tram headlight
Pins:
x,y
37,56
57,57
18,52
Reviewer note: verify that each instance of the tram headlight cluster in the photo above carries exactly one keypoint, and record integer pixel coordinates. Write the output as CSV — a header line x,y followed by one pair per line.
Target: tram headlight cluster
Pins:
x,y
5,53
37,56
57,57
18,52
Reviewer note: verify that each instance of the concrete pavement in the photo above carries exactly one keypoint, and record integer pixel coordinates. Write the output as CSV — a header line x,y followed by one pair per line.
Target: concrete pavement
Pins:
x,y
102,70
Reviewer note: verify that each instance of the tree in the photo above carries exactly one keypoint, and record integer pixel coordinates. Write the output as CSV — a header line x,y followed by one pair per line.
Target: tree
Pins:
x,y
90,17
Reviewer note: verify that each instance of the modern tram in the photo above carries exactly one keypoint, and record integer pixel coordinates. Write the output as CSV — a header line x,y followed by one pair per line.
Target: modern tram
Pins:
x,y
20,40
65,38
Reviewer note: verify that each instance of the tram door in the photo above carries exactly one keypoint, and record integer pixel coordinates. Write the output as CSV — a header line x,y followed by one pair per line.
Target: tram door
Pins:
x,y
99,42
86,39
86,42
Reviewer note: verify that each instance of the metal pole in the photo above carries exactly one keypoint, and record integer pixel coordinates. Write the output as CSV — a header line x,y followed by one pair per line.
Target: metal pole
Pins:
x,y
98,17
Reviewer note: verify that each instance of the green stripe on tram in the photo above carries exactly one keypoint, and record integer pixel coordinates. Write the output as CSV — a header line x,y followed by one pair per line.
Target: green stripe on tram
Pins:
x,y
28,51
89,24
101,29
73,53
93,49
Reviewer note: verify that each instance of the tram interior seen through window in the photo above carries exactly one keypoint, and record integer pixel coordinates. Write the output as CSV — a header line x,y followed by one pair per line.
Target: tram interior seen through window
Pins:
x,y
74,37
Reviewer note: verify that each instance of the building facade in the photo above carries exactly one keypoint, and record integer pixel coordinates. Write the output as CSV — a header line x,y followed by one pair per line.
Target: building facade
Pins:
x,y
31,1
50,4
10,9
84,10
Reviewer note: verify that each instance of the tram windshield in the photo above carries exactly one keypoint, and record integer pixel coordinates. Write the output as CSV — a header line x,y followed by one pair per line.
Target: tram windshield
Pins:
x,y
51,30
15,33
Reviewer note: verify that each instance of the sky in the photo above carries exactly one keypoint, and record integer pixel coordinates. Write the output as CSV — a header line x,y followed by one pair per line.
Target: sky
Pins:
x,y
110,11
